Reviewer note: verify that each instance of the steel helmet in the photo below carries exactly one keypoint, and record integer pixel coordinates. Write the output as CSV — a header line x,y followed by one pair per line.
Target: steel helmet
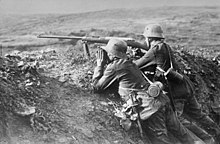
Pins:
x,y
153,30
117,48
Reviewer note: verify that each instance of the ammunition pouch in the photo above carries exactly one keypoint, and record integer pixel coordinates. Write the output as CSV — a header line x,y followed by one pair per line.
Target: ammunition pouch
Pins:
x,y
173,76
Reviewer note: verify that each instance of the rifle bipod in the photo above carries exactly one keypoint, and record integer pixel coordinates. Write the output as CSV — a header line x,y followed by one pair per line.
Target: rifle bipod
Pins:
x,y
86,49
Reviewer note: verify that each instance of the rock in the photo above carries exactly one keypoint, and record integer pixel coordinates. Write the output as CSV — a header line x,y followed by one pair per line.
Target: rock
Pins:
x,y
87,132
63,140
26,110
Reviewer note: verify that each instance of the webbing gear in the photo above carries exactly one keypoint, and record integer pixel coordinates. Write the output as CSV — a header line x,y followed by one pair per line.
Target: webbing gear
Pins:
x,y
170,95
171,74
137,112
155,88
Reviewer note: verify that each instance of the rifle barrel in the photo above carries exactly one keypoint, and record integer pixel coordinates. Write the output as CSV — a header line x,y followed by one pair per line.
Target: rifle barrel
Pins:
x,y
94,39
60,37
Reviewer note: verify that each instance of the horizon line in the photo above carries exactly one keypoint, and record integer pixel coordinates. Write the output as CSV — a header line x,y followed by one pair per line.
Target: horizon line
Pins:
x,y
111,9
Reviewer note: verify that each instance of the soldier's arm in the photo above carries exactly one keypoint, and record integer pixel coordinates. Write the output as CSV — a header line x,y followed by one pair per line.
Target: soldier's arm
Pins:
x,y
148,59
103,79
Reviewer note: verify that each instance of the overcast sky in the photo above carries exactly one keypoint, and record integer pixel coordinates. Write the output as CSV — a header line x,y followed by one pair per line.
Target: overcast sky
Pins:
x,y
76,6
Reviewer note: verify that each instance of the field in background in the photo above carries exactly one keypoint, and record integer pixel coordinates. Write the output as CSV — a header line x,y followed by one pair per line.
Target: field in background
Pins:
x,y
191,27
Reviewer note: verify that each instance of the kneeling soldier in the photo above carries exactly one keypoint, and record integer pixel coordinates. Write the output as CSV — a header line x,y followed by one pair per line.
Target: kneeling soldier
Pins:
x,y
157,115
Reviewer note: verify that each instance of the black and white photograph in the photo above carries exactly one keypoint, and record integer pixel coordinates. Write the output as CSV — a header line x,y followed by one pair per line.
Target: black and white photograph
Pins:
x,y
109,72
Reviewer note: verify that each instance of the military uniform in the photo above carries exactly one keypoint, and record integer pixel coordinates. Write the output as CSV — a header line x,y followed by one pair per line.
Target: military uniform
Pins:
x,y
182,90
127,77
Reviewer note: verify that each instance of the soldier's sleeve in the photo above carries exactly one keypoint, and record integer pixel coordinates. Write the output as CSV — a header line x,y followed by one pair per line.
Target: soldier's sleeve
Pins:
x,y
102,79
175,65
193,108
148,59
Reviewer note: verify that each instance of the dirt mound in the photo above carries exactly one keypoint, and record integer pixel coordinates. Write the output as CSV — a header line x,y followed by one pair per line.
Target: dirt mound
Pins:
x,y
58,85
205,74
66,109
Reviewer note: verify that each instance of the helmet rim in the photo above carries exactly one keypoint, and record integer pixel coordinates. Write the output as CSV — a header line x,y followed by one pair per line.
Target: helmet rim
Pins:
x,y
154,31
117,48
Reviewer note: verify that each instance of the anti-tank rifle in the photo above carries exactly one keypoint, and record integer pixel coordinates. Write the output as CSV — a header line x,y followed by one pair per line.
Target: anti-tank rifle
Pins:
x,y
96,39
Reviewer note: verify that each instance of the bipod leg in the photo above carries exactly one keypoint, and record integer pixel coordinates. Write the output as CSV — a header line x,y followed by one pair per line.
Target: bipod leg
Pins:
x,y
86,50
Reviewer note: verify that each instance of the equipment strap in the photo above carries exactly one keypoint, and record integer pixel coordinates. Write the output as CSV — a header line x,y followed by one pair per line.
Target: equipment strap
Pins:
x,y
146,78
171,64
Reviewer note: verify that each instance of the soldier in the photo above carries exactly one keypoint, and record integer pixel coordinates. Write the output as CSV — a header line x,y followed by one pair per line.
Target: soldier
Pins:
x,y
127,78
157,63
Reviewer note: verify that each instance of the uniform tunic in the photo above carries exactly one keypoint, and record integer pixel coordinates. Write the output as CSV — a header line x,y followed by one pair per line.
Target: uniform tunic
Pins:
x,y
159,117
182,91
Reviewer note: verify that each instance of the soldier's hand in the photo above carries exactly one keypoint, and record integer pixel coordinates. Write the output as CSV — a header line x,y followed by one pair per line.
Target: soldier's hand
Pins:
x,y
137,52
102,57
